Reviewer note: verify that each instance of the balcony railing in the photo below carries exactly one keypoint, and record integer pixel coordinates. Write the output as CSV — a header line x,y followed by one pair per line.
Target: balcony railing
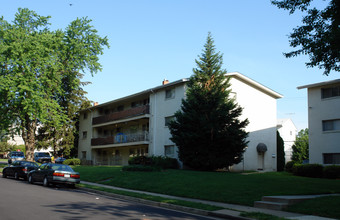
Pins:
x,y
132,112
121,138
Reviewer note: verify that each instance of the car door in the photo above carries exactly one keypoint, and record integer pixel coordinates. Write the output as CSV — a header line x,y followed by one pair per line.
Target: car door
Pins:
x,y
10,169
38,175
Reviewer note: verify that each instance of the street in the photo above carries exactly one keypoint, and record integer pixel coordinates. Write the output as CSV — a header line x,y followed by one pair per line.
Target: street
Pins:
x,y
21,200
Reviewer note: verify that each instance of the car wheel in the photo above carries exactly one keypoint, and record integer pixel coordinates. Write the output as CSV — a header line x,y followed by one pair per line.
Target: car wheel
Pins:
x,y
30,179
46,183
4,174
16,176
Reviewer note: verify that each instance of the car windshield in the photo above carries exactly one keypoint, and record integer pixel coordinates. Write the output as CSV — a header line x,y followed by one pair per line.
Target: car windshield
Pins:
x,y
62,167
43,154
17,154
27,163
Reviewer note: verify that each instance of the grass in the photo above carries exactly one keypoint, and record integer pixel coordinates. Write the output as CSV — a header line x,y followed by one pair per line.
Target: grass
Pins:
x,y
225,187
261,216
324,206
156,198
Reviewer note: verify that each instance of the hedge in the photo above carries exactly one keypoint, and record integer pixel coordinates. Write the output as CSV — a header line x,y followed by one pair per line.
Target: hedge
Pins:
x,y
314,170
74,161
331,172
155,161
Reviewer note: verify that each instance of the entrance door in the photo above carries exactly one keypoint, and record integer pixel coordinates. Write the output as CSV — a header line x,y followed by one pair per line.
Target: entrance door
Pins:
x,y
260,161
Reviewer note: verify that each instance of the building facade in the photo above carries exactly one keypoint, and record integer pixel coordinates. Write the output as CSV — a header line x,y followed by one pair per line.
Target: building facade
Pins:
x,y
324,122
287,131
112,132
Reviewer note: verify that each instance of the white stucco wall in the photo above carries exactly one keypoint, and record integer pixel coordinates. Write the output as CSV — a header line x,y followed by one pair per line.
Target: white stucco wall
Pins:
x,y
160,107
318,110
260,109
287,131
85,143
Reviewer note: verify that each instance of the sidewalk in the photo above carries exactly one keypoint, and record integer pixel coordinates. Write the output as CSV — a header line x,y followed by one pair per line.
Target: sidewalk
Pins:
x,y
231,211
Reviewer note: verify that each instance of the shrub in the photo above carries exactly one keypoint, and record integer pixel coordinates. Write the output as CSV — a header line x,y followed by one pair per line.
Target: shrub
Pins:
x,y
165,162
140,160
142,168
308,170
331,172
289,166
74,161
156,161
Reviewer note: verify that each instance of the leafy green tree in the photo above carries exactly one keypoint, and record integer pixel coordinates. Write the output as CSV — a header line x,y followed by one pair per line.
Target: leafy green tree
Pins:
x,y
318,36
301,147
207,129
36,67
280,149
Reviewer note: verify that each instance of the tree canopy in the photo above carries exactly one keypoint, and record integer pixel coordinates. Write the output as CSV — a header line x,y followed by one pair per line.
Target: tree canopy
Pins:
x,y
41,70
301,146
319,35
207,129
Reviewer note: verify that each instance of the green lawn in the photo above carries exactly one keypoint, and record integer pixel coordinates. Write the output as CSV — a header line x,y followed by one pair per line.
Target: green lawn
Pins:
x,y
216,186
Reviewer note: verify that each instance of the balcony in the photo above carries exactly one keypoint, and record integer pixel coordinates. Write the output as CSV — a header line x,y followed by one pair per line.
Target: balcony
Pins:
x,y
121,138
132,112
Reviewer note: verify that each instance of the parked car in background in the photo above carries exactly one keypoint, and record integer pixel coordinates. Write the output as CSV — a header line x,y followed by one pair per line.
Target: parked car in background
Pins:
x,y
15,155
60,160
19,169
51,173
42,157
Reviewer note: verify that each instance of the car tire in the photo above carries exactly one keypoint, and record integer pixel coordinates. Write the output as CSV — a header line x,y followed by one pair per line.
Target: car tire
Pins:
x,y
30,179
16,176
4,174
45,182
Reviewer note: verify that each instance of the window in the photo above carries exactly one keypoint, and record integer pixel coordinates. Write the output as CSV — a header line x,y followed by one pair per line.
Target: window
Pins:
x,y
83,155
84,134
169,150
331,125
85,115
169,93
168,119
120,108
330,92
331,158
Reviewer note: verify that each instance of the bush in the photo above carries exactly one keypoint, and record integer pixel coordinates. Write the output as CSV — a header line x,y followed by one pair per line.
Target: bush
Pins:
x,y
140,168
140,160
331,172
308,170
165,162
289,166
156,161
74,161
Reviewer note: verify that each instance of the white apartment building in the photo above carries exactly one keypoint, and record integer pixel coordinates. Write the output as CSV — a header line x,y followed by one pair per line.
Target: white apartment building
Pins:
x,y
287,130
324,122
112,132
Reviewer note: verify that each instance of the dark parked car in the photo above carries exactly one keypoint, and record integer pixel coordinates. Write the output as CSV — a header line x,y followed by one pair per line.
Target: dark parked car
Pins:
x,y
19,169
42,157
60,160
50,173
15,155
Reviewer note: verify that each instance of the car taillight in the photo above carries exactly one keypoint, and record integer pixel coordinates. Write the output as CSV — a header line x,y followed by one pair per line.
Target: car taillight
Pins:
x,y
75,176
25,170
58,174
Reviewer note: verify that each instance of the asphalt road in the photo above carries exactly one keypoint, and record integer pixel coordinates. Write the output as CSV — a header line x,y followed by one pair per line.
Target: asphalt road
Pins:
x,y
21,200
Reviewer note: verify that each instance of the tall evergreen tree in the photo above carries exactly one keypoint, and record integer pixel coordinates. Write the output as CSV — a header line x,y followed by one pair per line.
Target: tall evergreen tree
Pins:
x,y
207,129
280,149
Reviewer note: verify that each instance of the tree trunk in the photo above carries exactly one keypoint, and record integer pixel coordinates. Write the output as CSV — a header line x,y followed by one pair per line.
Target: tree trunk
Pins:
x,y
28,135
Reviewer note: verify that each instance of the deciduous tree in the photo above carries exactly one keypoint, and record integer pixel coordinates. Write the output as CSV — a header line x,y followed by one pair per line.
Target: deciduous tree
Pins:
x,y
319,35
39,72
301,147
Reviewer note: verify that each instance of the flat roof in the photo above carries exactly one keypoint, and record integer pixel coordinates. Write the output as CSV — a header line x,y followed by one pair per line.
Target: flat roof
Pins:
x,y
184,80
335,81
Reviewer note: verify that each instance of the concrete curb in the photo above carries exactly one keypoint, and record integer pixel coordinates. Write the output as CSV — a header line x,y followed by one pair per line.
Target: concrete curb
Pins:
x,y
226,214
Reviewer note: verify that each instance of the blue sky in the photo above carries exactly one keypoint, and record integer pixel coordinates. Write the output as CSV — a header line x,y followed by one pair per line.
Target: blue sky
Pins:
x,y
151,40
